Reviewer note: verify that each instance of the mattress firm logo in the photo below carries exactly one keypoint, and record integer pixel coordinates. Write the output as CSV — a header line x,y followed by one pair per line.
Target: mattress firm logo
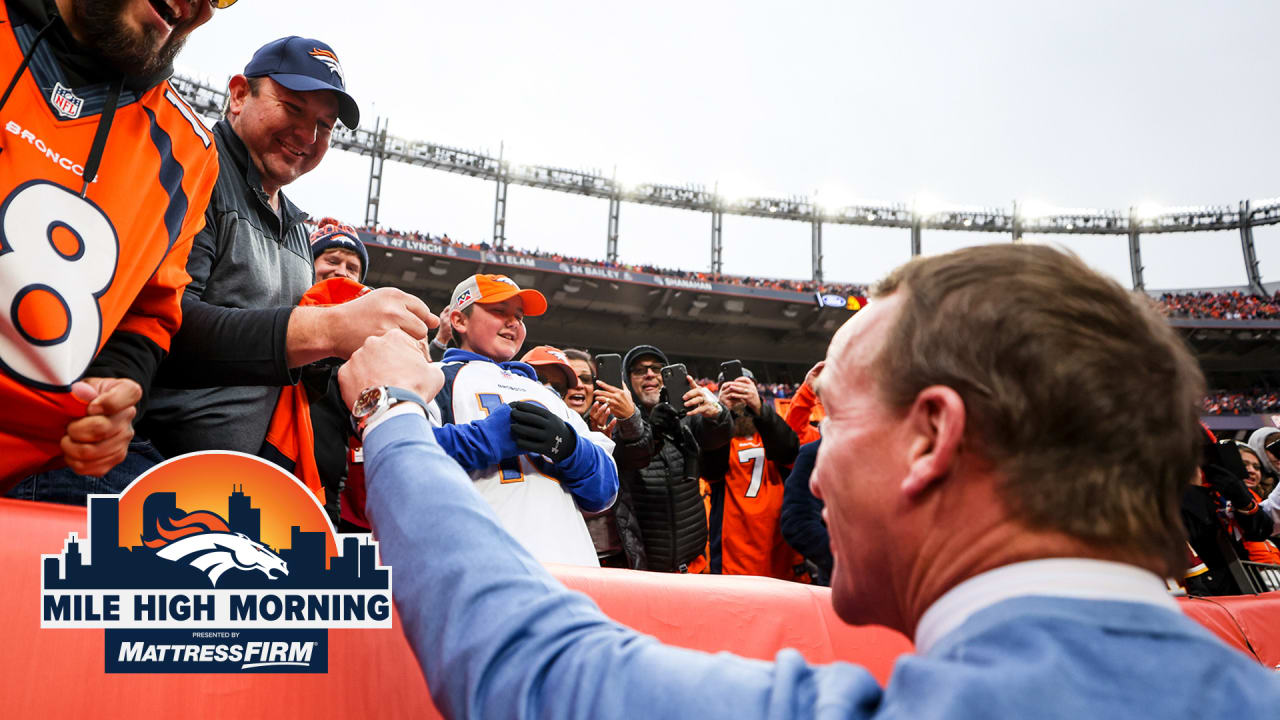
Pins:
x,y
214,562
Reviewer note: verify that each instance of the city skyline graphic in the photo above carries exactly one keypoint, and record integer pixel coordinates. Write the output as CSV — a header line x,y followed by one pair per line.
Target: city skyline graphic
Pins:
x,y
109,565
213,520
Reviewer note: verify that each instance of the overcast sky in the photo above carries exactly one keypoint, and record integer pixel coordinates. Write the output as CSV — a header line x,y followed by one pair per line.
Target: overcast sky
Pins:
x,y
1074,104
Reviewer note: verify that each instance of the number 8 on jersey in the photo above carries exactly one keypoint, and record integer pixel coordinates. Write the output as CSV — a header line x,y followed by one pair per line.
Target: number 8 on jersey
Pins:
x,y
58,253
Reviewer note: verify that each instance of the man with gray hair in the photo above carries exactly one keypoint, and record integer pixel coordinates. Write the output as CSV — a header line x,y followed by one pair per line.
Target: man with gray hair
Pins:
x,y
1007,437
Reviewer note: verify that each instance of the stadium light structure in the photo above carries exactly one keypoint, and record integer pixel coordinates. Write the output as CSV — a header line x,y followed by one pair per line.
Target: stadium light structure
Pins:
x,y
380,146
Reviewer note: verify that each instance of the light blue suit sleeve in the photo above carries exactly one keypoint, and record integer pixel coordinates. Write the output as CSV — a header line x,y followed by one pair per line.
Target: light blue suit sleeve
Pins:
x,y
498,637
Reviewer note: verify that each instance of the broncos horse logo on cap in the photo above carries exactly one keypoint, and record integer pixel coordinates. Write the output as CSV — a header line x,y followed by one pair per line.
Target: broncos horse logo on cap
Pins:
x,y
330,60
203,540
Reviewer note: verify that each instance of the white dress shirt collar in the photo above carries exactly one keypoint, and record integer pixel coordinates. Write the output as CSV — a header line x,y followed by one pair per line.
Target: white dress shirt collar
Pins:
x,y
1056,577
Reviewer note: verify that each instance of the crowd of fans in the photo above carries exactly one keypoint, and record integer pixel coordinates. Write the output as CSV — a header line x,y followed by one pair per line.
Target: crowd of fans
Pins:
x,y
766,390
253,333
804,286
1234,305
1243,402
1229,511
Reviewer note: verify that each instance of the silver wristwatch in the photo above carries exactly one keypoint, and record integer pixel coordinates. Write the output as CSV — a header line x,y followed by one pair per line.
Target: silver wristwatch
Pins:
x,y
377,400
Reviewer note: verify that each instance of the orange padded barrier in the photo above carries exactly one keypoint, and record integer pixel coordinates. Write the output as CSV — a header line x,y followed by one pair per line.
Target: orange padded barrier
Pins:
x,y
50,674
1254,618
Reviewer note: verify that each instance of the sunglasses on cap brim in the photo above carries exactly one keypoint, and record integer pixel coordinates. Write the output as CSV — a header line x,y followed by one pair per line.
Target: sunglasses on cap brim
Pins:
x,y
221,4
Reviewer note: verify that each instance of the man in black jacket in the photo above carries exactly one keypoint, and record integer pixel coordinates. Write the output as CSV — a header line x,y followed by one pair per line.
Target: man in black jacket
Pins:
x,y
243,336
663,496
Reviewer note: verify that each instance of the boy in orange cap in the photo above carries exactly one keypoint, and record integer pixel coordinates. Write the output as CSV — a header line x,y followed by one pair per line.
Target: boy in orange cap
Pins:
x,y
531,457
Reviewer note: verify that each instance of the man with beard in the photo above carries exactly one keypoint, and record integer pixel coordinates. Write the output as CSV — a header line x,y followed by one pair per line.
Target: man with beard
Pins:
x,y
105,174
663,494
243,334
747,488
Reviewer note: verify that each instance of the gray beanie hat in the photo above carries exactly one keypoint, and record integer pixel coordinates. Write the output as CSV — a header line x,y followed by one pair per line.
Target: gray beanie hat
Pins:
x,y
1258,441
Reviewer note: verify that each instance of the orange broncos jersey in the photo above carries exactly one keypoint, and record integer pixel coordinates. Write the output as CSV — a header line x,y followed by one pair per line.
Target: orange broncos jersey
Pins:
x,y
74,269
747,514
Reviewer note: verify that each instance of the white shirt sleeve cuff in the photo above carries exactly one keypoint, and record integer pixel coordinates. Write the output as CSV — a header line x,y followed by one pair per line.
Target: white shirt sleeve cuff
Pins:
x,y
403,408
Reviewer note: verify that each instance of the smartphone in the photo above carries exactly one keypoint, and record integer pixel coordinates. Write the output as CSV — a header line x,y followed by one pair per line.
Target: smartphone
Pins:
x,y
675,383
609,369
730,370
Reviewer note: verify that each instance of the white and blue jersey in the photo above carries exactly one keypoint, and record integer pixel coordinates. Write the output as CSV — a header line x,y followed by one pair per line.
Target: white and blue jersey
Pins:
x,y
540,503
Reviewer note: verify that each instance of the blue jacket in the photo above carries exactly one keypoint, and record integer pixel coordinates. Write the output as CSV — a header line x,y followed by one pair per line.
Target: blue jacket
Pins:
x,y
497,636
801,519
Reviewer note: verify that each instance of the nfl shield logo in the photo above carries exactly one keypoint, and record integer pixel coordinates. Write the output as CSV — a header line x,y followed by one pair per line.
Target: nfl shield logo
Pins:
x,y
66,102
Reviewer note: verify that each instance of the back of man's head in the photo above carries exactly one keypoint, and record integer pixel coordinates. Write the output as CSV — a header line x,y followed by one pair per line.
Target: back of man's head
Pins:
x,y
1078,392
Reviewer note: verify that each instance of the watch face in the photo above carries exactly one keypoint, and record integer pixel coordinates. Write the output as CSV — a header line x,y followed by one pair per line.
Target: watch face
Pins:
x,y
367,402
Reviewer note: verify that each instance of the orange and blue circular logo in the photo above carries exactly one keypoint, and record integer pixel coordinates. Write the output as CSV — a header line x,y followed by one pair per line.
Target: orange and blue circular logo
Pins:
x,y
214,562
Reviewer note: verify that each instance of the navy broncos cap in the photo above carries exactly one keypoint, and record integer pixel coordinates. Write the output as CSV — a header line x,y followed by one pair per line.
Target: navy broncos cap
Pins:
x,y
304,65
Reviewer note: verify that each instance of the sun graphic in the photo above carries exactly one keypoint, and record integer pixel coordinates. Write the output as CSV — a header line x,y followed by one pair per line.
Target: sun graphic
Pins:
x,y
214,481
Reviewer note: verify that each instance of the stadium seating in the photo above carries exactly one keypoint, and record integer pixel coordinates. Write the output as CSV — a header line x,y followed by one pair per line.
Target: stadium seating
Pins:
x,y
803,286
1234,305
1246,402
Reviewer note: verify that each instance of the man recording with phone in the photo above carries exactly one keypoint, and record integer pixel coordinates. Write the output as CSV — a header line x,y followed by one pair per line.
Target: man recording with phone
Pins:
x,y
746,484
664,495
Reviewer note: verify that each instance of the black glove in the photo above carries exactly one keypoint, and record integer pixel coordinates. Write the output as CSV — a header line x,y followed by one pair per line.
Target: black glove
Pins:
x,y
1224,471
537,430
1230,487
665,420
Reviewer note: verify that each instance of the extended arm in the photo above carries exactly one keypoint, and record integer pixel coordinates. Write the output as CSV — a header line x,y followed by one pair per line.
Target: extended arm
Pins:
x,y
497,636
712,432
780,442
223,346
799,412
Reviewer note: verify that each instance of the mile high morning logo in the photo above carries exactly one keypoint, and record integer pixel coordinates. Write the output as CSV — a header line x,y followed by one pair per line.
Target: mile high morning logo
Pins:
x,y
214,562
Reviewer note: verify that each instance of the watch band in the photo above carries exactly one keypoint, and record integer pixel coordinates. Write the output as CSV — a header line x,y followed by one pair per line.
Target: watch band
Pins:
x,y
376,401
404,408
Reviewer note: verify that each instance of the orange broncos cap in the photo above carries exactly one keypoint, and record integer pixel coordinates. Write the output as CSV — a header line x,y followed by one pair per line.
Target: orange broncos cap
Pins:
x,y
547,356
486,289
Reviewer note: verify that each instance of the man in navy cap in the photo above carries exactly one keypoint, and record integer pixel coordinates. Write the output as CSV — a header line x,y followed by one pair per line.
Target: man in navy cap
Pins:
x,y
243,335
